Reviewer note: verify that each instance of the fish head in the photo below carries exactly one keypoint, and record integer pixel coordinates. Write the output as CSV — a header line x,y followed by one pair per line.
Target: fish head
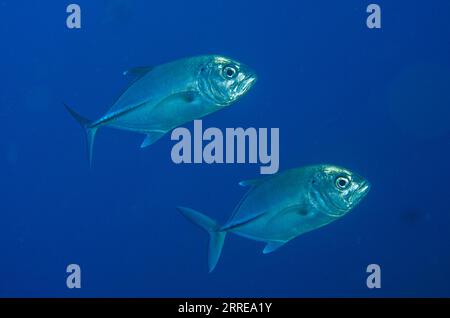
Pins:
x,y
223,80
335,190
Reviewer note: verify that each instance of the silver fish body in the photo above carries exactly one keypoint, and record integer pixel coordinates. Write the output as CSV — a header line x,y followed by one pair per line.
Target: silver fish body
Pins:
x,y
278,208
166,96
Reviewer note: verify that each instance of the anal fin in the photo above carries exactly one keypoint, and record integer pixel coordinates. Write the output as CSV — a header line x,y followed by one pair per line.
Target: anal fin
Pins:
x,y
273,246
152,137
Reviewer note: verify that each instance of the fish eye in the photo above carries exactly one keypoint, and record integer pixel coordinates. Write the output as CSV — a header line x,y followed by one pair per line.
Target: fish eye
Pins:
x,y
229,71
342,183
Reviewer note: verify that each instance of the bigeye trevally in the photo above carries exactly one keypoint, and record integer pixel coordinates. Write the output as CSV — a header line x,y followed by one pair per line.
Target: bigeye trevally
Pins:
x,y
166,96
278,208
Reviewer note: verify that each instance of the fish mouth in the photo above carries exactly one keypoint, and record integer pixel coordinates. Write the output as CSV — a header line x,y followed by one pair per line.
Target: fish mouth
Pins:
x,y
246,84
364,188
225,98
361,192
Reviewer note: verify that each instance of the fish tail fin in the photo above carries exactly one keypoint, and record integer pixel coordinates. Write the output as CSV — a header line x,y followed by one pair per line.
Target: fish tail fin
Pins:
x,y
216,237
89,130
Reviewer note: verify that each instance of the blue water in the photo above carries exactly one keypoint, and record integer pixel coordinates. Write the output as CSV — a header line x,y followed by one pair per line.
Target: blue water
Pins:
x,y
375,101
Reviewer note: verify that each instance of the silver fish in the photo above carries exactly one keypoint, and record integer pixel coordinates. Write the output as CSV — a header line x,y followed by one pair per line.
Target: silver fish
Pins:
x,y
166,96
280,207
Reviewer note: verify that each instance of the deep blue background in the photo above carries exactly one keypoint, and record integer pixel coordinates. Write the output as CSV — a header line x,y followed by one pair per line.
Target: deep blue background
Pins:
x,y
375,101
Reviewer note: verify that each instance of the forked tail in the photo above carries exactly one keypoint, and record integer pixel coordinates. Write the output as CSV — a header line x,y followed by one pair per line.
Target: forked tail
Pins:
x,y
216,237
90,131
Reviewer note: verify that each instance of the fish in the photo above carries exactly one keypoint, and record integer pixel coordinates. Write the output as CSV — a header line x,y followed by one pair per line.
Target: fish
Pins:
x,y
280,207
166,96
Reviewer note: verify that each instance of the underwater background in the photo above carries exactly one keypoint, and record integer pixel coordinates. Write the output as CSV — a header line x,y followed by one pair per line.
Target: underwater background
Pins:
x,y
376,101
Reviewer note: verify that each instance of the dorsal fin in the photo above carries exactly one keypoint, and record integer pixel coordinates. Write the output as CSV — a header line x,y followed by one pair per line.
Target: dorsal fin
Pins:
x,y
249,183
139,71
253,182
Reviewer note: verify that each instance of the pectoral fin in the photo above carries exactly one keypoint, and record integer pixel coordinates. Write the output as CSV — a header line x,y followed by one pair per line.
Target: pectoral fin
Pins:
x,y
272,246
152,137
188,96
